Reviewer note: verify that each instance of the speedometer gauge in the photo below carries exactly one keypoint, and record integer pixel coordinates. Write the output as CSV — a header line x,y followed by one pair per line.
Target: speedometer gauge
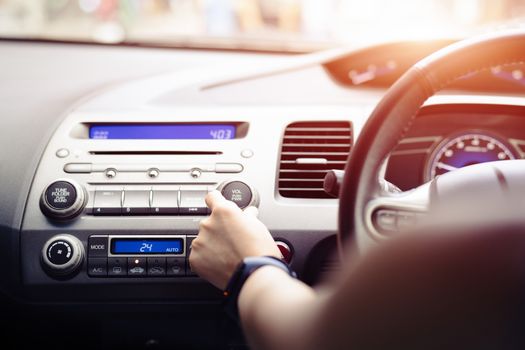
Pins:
x,y
463,150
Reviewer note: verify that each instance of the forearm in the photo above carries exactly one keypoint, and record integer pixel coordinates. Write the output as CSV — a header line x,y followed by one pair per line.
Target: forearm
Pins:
x,y
277,311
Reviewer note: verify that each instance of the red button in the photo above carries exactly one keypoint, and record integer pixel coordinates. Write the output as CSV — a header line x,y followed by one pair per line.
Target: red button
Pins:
x,y
286,251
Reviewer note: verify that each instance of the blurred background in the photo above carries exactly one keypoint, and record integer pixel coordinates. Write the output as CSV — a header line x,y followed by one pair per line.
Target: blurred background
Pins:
x,y
276,25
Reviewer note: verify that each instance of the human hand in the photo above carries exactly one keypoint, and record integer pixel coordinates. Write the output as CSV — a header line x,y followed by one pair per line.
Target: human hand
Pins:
x,y
226,237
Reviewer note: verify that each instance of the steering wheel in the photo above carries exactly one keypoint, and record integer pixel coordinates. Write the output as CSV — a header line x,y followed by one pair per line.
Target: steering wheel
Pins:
x,y
366,201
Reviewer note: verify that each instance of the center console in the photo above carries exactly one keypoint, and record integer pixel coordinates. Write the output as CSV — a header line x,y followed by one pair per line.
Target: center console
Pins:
x,y
120,202
128,255
119,193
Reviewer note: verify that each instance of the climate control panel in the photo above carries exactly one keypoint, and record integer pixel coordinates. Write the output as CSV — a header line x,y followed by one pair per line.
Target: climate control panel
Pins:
x,y
139,256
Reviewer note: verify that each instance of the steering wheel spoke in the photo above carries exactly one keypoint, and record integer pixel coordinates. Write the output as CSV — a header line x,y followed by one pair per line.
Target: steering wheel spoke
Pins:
x,y
389,214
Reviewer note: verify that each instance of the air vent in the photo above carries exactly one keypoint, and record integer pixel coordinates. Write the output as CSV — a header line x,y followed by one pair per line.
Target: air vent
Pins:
x,y
309,150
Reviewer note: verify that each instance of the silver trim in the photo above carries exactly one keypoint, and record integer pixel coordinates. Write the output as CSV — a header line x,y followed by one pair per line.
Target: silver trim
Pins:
x,y
297,129
321,161
422,139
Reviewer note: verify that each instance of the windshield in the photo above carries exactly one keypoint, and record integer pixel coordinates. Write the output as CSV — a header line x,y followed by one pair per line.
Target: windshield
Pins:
x,y
274,25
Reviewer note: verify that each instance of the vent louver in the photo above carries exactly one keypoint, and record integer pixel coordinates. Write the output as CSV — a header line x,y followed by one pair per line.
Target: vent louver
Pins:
x,y
308,151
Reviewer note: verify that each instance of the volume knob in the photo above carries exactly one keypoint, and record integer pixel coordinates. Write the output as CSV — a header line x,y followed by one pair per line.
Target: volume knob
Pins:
x,y
62,255
239,193
63,199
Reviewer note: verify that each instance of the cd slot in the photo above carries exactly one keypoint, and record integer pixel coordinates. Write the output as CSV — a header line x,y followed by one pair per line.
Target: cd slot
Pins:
x,y
88,168
152,153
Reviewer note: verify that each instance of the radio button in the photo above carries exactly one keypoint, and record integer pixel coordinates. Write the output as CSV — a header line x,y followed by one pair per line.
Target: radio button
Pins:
x,y
153,173
137,267
117,266
110,173
78,168
165,202
61,195
136,202
156,267
192,202
176,266
193,211
107,201
62,153
231,168
97,267
239,193
98,246
63,199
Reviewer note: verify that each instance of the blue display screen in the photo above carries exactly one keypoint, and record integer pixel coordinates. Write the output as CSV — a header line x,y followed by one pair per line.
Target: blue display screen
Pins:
x,y
162,131
147,246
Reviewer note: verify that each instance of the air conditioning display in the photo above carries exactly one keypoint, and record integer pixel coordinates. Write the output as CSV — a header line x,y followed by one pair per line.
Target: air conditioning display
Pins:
x,y
147,246
162,131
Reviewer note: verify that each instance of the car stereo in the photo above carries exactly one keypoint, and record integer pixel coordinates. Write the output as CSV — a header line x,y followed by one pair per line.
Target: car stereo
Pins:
x,y
127,255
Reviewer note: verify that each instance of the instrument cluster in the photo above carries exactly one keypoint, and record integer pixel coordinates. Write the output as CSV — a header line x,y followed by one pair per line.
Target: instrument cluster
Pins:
x,y
444,138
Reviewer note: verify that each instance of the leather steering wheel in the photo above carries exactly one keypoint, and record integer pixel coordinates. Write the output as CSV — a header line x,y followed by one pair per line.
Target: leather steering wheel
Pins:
x,y
363,193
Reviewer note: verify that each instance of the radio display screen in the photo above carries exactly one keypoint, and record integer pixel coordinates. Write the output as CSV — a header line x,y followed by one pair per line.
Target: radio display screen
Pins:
x,y
147,246
162,131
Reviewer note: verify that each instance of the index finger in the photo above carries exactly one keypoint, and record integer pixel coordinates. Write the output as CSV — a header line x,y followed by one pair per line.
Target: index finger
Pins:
x,y
213,198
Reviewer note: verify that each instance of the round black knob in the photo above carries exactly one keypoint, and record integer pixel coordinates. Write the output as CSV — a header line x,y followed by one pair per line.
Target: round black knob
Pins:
x,y
62,255
63,199
239,193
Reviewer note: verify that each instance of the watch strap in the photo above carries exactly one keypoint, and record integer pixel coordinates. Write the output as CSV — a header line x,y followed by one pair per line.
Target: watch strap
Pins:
x,y
244,270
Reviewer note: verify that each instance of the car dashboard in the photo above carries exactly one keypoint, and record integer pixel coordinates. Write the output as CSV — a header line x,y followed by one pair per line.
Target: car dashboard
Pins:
x,y
98,210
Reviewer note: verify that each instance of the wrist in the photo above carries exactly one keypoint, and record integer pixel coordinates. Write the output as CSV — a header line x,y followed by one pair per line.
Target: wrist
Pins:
x,y
246,269
266,274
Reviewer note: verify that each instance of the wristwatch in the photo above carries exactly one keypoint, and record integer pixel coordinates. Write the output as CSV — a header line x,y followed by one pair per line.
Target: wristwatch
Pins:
x,y
241,274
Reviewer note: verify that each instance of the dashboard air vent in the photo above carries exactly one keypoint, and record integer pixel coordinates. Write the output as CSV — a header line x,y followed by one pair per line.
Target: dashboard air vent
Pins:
x,y
309,150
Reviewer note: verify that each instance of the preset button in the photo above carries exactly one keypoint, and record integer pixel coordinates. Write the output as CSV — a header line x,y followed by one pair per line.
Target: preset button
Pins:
x,y
192,201
165,201
108,201
136,201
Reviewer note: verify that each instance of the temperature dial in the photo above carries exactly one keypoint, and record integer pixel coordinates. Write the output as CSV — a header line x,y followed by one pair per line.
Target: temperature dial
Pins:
x,y
239,193
63,199
62,255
